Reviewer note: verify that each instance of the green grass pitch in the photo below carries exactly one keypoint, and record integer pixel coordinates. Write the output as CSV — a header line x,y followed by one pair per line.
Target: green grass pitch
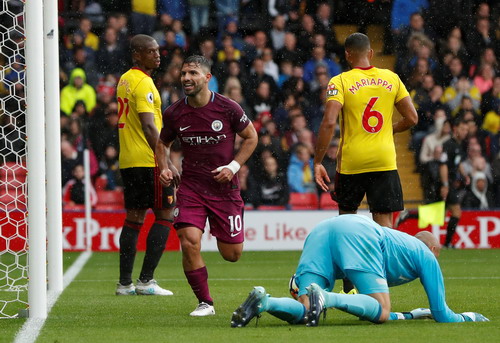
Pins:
x,y
88,310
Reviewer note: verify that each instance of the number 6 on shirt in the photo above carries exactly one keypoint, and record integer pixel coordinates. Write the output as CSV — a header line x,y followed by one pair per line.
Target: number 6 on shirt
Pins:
x,y
369,113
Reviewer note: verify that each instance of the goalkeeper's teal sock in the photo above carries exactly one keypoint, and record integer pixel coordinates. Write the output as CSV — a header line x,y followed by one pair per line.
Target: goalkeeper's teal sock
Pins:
x,y
360,305
286,309
400,316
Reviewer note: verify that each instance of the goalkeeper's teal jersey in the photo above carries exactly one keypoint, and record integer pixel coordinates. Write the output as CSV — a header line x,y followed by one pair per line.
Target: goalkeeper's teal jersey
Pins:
x,y
354,242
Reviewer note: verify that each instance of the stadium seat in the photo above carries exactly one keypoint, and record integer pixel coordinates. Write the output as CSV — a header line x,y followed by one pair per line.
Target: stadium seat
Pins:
x,y
326,202
303,201
100,183
271,208
109,200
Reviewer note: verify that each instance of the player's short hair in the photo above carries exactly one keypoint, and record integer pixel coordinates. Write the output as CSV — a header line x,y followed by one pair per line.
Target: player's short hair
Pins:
x,y
199,60
357,42
138,42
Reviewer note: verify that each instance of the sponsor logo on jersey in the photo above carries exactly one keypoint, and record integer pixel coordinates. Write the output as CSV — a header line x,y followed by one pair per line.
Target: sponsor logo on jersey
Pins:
x,y
331,91
244,118
203,140
184,128
176,212
150,97
217,125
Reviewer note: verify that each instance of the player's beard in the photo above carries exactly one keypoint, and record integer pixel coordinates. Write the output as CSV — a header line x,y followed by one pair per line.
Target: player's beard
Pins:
x,y
195,91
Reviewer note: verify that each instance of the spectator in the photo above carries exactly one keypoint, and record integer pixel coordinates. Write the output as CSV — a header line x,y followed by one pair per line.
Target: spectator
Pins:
x,y
272,187
119,22
305,36
74,190
286,68
319,58
454,47
463,88
111,57
270,67
90,39
300,171
70,158
490,100
247,186
180,35
257,76
440,135
228,51
176,9
143,16
110,168
277,32
429,177
477,196
417,25
77,89
484,79
289,51
475,161
263,101
235,93
198,11
453,70
226,9
402,11
480,38
103,131
297,123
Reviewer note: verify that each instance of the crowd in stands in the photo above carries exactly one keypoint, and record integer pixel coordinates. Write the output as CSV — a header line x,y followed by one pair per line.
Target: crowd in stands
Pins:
x,y
275,59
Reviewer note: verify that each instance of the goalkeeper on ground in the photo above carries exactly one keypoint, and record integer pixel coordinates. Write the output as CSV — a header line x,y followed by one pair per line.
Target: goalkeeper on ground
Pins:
x,y
374,258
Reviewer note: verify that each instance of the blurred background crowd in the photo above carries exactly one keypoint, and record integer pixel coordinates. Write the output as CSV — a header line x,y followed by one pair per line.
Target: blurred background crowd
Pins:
x,y
275,58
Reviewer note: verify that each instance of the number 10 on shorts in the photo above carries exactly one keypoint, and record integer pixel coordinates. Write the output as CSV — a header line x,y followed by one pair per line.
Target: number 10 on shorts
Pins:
x,y
236,225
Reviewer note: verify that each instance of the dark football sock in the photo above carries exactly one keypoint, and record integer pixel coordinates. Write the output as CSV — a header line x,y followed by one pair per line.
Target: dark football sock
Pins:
x,y
128,248
450,230
348,285
198,280
156,241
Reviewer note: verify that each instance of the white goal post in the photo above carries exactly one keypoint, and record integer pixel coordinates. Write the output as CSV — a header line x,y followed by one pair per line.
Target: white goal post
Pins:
x,y
29,113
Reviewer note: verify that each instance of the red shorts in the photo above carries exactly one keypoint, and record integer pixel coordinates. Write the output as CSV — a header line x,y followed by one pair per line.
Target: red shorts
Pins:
x,y
225,217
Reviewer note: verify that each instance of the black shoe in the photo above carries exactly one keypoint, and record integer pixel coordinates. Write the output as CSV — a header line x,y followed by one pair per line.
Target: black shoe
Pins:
x,y
250,308
316,304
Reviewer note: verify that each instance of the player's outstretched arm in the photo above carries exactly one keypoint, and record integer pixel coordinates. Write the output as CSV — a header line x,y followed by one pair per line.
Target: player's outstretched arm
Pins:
x,y
432,279
325,134
226,173
410,117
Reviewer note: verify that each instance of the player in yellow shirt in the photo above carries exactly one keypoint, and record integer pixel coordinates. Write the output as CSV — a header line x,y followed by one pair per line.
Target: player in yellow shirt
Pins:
x,y
364,99
139,124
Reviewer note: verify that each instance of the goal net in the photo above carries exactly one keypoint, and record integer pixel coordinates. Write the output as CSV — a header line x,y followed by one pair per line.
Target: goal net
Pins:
x,y
13,216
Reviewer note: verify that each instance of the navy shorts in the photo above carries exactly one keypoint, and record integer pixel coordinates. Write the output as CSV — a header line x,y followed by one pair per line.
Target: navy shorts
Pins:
x,y
382,189
142,189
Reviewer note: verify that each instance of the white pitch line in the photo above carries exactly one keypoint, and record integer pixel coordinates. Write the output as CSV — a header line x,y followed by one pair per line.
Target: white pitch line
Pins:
x,y
31,328
281,279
